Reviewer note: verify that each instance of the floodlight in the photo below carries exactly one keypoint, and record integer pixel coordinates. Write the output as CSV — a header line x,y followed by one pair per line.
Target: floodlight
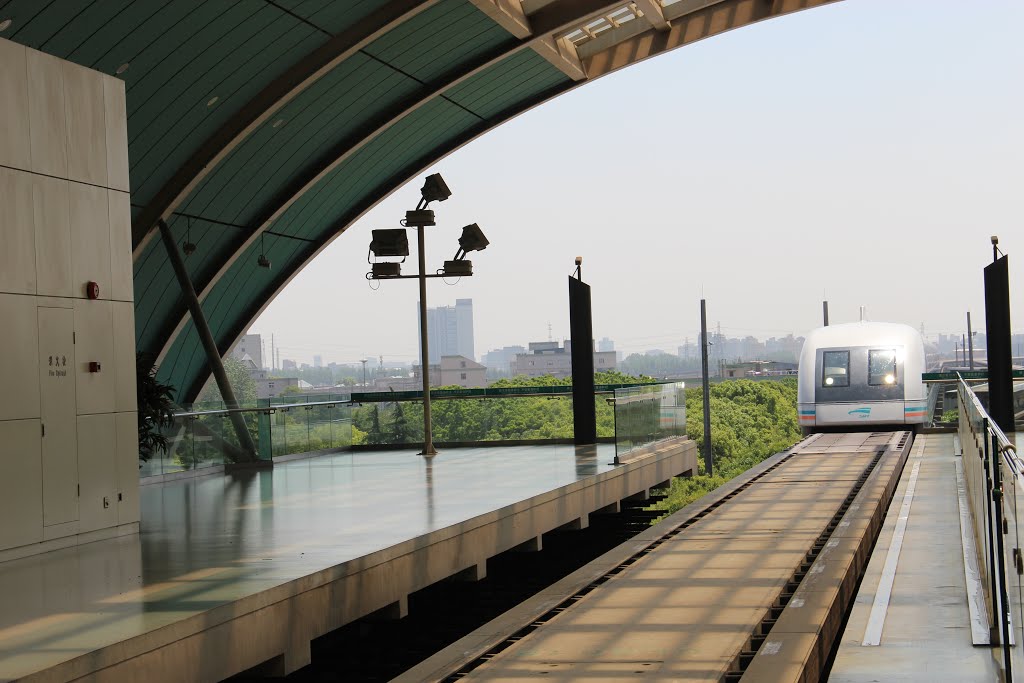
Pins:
x,y
460,268
995,239
385,269
189,248
435,189
263,261
579,260
472,240
390,242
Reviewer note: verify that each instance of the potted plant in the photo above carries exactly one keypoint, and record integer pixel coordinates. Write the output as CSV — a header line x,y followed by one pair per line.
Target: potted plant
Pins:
x,y
156,408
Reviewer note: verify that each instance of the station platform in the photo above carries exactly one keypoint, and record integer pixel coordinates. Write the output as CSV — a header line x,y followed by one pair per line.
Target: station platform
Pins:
x,y
923,630
238,571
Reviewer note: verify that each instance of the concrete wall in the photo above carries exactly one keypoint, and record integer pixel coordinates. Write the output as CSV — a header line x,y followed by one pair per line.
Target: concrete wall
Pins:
x,y
68,434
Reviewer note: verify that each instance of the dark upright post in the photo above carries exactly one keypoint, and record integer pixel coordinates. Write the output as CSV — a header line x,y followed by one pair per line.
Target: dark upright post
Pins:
x,y
824,311
970,341
206,337
581,332
1000,352
707,389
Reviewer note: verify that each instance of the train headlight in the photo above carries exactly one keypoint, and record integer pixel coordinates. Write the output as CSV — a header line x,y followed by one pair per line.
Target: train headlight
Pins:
x,y
828,381
890,379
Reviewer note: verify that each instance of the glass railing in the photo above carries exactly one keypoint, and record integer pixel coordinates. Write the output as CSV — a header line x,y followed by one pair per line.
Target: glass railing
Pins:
x,y
994,483
647,415
203,435
474,420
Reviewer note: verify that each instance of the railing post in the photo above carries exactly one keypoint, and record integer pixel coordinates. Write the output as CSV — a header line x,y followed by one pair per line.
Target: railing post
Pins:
x,y
999,556
994,630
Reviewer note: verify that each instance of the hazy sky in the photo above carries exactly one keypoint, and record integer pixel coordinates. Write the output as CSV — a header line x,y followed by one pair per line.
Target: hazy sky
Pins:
x,y
864,150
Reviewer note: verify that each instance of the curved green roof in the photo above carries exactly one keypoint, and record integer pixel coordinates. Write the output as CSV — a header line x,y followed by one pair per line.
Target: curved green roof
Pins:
x,y
273,125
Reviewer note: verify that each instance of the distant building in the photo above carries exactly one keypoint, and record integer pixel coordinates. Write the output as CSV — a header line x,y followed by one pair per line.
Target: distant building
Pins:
x,y
758,368
499,361
450,330
272,387
605,344
548,358
452,370
249,345
287,364
318,361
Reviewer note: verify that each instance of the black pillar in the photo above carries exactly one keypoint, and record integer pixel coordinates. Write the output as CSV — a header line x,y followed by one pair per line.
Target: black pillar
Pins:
x,y
708,460
581,331
1000,352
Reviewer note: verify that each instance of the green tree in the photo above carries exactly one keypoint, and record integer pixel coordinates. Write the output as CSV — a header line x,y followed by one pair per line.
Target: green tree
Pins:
x,y
375,435
400,432
242,384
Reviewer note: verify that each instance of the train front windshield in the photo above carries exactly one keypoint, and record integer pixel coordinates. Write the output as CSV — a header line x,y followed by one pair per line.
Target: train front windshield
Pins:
x,y
882,367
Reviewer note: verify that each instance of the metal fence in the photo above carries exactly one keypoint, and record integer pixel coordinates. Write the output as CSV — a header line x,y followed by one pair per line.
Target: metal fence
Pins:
x,y
994,479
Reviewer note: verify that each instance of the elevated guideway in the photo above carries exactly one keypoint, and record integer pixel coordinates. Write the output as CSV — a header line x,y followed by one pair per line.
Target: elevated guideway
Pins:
x,y
751,582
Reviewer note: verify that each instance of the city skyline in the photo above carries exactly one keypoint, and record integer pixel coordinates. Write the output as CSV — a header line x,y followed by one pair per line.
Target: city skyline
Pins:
x,y
875,179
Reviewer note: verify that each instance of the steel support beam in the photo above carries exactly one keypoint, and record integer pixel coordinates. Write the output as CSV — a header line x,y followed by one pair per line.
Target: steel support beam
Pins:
x,y
506,13
653,14
209,345
261,107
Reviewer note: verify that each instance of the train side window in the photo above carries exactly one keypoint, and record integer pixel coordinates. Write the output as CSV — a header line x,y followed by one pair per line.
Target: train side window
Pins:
x,y
835,369
881,367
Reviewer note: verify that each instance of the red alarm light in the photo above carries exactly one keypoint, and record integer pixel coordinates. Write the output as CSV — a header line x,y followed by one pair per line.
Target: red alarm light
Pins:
x,y
92,289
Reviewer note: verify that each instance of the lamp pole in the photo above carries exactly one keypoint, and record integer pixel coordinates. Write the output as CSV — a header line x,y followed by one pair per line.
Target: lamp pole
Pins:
x,y
428,437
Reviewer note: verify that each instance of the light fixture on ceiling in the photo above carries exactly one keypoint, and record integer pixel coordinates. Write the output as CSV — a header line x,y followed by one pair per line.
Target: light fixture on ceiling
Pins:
x,y
189,246
121,69
5,24
212,101
278,123
262,261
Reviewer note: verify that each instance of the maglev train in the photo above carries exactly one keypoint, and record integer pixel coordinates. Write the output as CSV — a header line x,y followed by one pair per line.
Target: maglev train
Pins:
x,y
859,374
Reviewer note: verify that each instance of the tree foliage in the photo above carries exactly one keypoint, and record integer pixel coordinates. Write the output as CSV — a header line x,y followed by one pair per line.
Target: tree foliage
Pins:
x,y
242,384
750,421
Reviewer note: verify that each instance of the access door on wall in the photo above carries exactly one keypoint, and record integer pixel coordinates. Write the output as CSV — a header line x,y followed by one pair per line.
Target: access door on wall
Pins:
x,y
58,413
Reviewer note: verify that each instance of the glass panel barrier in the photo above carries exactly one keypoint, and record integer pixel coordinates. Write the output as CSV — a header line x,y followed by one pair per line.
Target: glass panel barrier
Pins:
x,y
647,415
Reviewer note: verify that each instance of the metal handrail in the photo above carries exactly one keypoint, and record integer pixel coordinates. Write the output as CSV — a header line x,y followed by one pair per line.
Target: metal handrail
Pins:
x,y
986,452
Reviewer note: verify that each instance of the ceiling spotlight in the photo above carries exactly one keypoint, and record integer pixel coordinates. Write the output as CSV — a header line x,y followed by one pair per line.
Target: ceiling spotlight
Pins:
x,y
472,240
5,24
263,261
390,242
121,69
189,248
212,101
278,123
435,189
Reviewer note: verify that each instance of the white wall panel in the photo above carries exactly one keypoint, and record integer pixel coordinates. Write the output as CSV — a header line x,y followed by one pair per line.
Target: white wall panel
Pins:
x,y
95,343
57,410
97,472
47,118
19,359
21,500
17,232
15,150
127,428
90,238
52,215
116,117
124,355
86,126
122,284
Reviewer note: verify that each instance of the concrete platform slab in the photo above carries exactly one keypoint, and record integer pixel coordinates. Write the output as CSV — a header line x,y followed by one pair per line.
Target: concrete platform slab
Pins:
x,y
232,571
